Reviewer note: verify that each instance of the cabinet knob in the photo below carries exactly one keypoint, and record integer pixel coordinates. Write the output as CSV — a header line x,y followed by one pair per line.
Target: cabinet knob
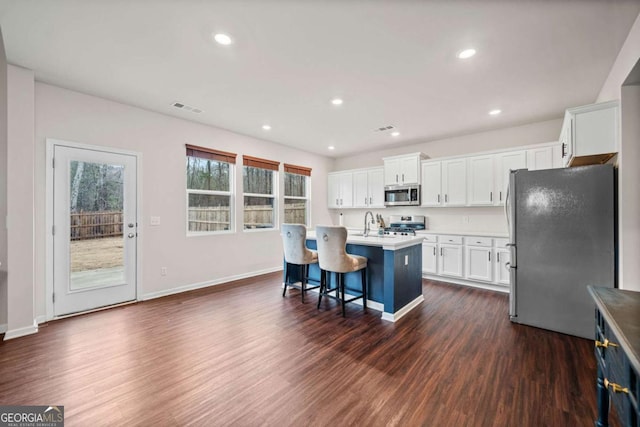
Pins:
x,y
605,344
616,388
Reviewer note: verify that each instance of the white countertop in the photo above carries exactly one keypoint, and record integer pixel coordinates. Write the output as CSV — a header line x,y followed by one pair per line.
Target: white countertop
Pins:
x,y
390,243
465,233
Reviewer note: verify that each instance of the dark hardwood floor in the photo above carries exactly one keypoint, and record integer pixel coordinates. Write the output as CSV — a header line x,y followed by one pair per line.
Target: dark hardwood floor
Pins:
x,y
241,354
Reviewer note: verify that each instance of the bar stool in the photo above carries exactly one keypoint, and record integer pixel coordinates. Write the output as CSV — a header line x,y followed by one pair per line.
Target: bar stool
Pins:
x,y
294,238
333,257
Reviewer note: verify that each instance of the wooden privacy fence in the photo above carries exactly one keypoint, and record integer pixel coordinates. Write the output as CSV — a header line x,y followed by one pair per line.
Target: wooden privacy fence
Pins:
x,y
217,218
94,225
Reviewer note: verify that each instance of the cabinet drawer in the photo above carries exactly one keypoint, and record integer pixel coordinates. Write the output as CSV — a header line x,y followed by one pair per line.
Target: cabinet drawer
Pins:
x,y
455,240
430,238
501,243
478,241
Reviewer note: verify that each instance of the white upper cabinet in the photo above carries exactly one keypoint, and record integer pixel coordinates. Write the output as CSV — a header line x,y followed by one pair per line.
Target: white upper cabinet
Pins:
x,y
368,188
454,182
480,187
340,190
540,158
405,169
591,134
505,163
432,183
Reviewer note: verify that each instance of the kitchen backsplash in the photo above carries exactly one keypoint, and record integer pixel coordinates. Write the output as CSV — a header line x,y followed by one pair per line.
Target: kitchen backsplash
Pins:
x,y
476,219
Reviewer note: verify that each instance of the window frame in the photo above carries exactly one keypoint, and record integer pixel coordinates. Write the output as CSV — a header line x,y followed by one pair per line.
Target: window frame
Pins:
x,y
209,154
273,167
307,198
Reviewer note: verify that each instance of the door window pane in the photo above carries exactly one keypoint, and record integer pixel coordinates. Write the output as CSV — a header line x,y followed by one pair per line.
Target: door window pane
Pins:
x,y
96,229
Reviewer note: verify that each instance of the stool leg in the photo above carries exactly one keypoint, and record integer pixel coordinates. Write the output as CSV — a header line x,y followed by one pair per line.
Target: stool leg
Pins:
x,y
286,278
341,281
302,280
364,288
323,285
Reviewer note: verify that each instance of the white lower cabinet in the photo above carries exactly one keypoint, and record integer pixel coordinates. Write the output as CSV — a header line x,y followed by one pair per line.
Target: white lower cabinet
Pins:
x,y
478,259
467,259
450,260
430,258
502,259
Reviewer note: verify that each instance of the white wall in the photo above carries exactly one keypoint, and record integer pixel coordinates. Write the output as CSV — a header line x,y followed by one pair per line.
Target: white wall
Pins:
x,y
72,116
3,187
20,201
628,158
480,219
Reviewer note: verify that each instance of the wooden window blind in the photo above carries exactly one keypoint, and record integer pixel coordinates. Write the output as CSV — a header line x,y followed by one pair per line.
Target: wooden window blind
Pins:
x,y
300,170
211,154
256,162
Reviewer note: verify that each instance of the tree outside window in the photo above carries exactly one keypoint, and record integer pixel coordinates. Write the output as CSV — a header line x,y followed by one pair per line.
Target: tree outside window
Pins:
x,y
296,198
259,178
209,190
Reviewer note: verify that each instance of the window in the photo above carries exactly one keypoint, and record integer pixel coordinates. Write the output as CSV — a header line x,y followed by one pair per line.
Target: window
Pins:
x,y
296,194
259,178
209,190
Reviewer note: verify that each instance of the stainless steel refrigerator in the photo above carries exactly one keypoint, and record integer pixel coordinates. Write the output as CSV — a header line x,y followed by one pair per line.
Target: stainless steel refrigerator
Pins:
x,y
562,235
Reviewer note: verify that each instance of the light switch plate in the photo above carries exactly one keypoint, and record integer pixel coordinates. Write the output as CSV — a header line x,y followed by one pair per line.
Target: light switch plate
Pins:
x,y
155,220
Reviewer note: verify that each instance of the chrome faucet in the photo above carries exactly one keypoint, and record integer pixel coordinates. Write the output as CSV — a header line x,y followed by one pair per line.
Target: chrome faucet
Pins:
x,y
367,227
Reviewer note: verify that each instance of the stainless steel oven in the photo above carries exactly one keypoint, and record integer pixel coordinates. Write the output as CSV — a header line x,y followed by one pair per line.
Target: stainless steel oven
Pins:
x,y
402,195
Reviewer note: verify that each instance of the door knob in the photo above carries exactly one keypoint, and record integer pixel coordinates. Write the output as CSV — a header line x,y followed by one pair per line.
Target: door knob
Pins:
x,y
131,235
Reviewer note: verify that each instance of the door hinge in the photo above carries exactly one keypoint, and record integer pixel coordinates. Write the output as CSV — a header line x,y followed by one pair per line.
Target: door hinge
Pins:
x,y
53,162
53,297
53,230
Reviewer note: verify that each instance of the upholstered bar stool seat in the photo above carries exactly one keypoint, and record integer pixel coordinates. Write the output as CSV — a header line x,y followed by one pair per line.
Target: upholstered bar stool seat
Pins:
x,y
333,257
294,237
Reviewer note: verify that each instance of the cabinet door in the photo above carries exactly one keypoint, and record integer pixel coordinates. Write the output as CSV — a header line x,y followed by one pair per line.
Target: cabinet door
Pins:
x,y
540,158
346,190
502,275
391,172
431,184
333,191
454,182
595,132
566,139
480,184
478,263
376,188
505,163
410,170
361,189
450,261
429,258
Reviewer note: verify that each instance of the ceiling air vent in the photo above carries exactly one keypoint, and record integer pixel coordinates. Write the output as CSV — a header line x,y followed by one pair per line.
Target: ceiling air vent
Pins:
x,y
182,106
384,128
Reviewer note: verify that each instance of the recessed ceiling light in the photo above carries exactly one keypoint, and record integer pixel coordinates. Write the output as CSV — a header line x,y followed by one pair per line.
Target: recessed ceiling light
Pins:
x,y
336,101
266,127
395,133
222,39
331,147
467,53
495,112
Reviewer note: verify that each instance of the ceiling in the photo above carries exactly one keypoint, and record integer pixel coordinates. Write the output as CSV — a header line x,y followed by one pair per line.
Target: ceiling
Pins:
x,y
392,62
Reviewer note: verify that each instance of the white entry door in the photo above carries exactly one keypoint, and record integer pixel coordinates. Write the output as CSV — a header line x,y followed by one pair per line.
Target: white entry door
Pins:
x,y
94,229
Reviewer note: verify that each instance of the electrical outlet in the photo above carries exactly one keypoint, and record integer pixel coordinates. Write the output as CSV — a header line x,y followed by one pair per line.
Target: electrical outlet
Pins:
x,y
406,260
163,271
465,219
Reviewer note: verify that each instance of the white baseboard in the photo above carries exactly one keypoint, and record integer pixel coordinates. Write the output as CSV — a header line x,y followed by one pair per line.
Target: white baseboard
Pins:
x,y
194,286
394,317
21,332
41,319
488,286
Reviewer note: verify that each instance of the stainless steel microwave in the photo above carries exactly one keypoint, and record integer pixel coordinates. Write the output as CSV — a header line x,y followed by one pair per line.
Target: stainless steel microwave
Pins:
x,y
402,195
